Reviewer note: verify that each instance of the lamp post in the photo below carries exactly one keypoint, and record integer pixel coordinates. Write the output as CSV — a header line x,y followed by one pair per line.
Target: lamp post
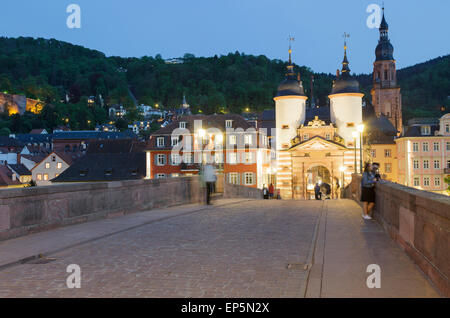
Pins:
x,y
342,169
355,136
361,130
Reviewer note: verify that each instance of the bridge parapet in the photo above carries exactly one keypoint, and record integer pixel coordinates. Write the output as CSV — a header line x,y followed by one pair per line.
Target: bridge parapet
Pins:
x,y
419,221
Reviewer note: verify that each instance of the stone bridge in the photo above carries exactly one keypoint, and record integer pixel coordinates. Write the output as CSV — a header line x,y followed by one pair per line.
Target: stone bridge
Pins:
x,y
151,238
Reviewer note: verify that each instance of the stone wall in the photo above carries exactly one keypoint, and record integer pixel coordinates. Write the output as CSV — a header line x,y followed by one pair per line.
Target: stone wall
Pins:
x,y
29,210
239,191
419,221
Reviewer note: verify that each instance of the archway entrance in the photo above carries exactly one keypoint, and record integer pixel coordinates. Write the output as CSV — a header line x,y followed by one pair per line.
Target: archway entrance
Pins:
x,y
317,174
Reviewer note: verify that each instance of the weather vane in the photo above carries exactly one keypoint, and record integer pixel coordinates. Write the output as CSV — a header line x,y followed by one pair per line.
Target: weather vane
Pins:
x,y
346,36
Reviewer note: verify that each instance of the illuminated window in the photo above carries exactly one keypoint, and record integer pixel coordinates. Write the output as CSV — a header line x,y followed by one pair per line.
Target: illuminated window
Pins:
x,y
388,167
248,139
350,125
175,159
233,140
232,158
285,127
248,157
59,165
39,177
47,165
174,140
45,176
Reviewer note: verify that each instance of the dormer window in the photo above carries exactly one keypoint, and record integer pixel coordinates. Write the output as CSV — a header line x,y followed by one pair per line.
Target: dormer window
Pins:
x,y
160,142
229,123
425,130
182,124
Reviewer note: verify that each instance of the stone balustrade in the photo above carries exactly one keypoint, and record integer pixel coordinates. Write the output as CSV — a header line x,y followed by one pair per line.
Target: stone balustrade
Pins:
x,y
419,221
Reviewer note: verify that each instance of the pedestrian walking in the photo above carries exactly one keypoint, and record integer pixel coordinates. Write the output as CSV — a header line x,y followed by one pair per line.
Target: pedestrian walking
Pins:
x,y
209,178
271,191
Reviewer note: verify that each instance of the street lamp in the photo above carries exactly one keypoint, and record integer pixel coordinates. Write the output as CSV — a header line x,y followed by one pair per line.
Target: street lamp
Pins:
x,y
355,136
361,130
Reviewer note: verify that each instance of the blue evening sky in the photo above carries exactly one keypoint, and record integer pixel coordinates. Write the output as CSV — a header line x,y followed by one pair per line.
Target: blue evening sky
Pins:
x,y
419,30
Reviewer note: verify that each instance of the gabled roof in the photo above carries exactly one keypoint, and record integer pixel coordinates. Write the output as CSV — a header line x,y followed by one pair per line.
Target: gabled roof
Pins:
x,y
20,169
70,135
105,167
6,177
319,142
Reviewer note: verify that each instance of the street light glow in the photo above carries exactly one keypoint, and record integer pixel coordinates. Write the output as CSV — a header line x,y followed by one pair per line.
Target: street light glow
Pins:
x,y
360,128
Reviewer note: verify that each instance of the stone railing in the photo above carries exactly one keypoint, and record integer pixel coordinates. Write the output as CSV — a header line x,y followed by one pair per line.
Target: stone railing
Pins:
x,y
419,221
28,210
239,191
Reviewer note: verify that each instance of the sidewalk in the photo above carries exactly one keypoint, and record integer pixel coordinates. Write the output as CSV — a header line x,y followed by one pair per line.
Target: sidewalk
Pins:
x,y
346,244
16,250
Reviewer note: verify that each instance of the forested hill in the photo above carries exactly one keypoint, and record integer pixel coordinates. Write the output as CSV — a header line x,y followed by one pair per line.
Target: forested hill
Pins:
x,y
50,69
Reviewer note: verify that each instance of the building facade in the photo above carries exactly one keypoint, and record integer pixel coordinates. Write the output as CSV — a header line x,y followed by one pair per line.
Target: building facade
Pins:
x,y
240,152
424,154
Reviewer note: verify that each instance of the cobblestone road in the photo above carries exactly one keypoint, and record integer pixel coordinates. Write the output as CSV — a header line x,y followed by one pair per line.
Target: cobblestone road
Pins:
x,y
238,250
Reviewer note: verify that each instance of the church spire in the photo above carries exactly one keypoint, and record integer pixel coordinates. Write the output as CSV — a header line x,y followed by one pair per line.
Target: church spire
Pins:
x,y
384,28
290,67
345,68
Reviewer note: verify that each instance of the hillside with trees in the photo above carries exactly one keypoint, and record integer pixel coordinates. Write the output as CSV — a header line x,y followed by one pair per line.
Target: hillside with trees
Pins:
x,y
64,76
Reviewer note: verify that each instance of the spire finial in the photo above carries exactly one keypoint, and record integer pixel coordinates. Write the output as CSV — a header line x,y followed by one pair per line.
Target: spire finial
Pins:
x,y
291,39
345,68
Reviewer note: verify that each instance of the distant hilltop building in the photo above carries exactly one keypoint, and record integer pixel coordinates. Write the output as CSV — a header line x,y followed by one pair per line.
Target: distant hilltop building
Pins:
x,y
18,104
174,61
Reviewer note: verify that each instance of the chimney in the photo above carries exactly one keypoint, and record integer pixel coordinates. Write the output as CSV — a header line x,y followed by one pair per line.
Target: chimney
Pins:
x,y
19,157
338,73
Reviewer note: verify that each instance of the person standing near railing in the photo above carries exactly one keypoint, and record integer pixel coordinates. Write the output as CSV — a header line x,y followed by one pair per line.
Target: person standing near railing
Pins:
x,y
368,191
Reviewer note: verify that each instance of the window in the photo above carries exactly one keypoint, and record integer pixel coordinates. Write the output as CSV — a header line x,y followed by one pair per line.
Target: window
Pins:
x,y
350,125
228,123
160,176
182,124
53,158
416,164
187,158
232,158
437,181
233,140
448,164
416,181
305,137
45,176
47,165
385,74
59,165
175,175
387,153
174,140
248,139
160,159
373,153
448,146
248,157
426,181
39,177
233,178
327,136
425,130
218,157
447,128
56,175
437,164
388,167
415,146
160,142
285,127
425,146
175,159
249,178
436,146
426,164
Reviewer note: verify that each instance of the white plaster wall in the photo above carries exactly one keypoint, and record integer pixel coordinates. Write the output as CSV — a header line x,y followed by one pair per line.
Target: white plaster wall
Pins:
x,y
291,112
346,109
